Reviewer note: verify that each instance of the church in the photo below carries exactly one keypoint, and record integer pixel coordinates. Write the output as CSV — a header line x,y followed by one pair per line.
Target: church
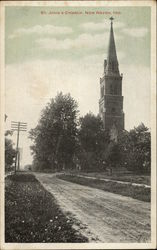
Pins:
x,y
111,99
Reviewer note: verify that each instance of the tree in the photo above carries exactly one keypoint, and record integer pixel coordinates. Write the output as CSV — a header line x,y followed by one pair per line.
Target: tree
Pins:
x,y
9,151
135,147
113,156
54,138
28,167
92,142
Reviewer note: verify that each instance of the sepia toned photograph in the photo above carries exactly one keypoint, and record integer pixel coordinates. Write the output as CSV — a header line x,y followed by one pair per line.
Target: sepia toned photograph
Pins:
x,y
78,124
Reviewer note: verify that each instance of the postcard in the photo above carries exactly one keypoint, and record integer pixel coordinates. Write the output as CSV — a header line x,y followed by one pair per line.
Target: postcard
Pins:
x,y
78,124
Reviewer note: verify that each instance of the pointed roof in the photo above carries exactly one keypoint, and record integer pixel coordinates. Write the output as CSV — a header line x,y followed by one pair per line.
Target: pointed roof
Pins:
x,y
112,61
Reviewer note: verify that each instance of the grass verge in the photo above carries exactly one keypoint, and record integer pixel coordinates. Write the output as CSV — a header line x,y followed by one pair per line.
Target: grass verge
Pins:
x,y
118,176
128,178
135,192
32,214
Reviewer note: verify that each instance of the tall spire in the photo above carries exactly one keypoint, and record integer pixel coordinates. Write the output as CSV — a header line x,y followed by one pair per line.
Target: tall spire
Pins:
x,y
112,61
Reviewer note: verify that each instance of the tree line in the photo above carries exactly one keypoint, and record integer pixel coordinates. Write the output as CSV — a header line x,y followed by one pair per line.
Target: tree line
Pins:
x,y
62,140
10,152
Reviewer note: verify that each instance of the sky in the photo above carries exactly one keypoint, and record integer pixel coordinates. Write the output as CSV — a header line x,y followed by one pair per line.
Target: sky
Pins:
x,y
51,49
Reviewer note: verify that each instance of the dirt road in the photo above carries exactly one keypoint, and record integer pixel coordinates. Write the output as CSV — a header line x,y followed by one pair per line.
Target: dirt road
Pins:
x,y
99,215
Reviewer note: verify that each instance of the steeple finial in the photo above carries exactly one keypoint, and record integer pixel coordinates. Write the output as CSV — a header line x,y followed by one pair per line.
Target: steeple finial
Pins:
x,y
111,18
112,61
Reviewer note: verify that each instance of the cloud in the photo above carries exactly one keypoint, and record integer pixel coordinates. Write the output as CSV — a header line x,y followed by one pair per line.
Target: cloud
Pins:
x,y
37,81
135,32
137,92
29,86
42,30
83,41
93,26
103,25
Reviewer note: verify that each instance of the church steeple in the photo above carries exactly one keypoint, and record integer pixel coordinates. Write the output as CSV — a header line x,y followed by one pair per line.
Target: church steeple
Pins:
x,y
111,99
112,61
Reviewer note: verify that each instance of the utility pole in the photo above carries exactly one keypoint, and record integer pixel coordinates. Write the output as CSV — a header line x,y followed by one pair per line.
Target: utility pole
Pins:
x,y
18,126
18,160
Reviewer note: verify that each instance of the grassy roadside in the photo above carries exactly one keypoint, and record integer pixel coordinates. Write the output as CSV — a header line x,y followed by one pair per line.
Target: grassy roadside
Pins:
x,y
145,179
133,178
135,192
32,214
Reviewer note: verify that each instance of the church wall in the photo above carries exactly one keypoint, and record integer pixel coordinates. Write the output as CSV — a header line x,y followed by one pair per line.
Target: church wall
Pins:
x,y
114,104
111,99
113,85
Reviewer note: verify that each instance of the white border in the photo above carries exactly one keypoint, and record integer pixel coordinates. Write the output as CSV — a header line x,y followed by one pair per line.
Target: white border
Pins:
x,y
107,3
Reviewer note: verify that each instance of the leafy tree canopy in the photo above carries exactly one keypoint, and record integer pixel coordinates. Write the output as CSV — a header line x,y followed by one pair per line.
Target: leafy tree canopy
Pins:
x,y
54,138
135,147
93,142
9,151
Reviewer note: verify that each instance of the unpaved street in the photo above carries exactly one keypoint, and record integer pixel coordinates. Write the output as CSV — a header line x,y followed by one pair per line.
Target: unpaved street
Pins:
x,y
99,215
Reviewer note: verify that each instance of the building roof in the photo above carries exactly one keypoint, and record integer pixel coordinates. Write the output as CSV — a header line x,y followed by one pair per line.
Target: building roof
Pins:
x,y
112,61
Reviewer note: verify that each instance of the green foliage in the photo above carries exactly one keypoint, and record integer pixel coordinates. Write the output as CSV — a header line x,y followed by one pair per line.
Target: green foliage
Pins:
x,y
132,151
32,214
135,148
92,143
9,152
59,143
90,132
8,132
55,135
113,155
28,167
129,190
